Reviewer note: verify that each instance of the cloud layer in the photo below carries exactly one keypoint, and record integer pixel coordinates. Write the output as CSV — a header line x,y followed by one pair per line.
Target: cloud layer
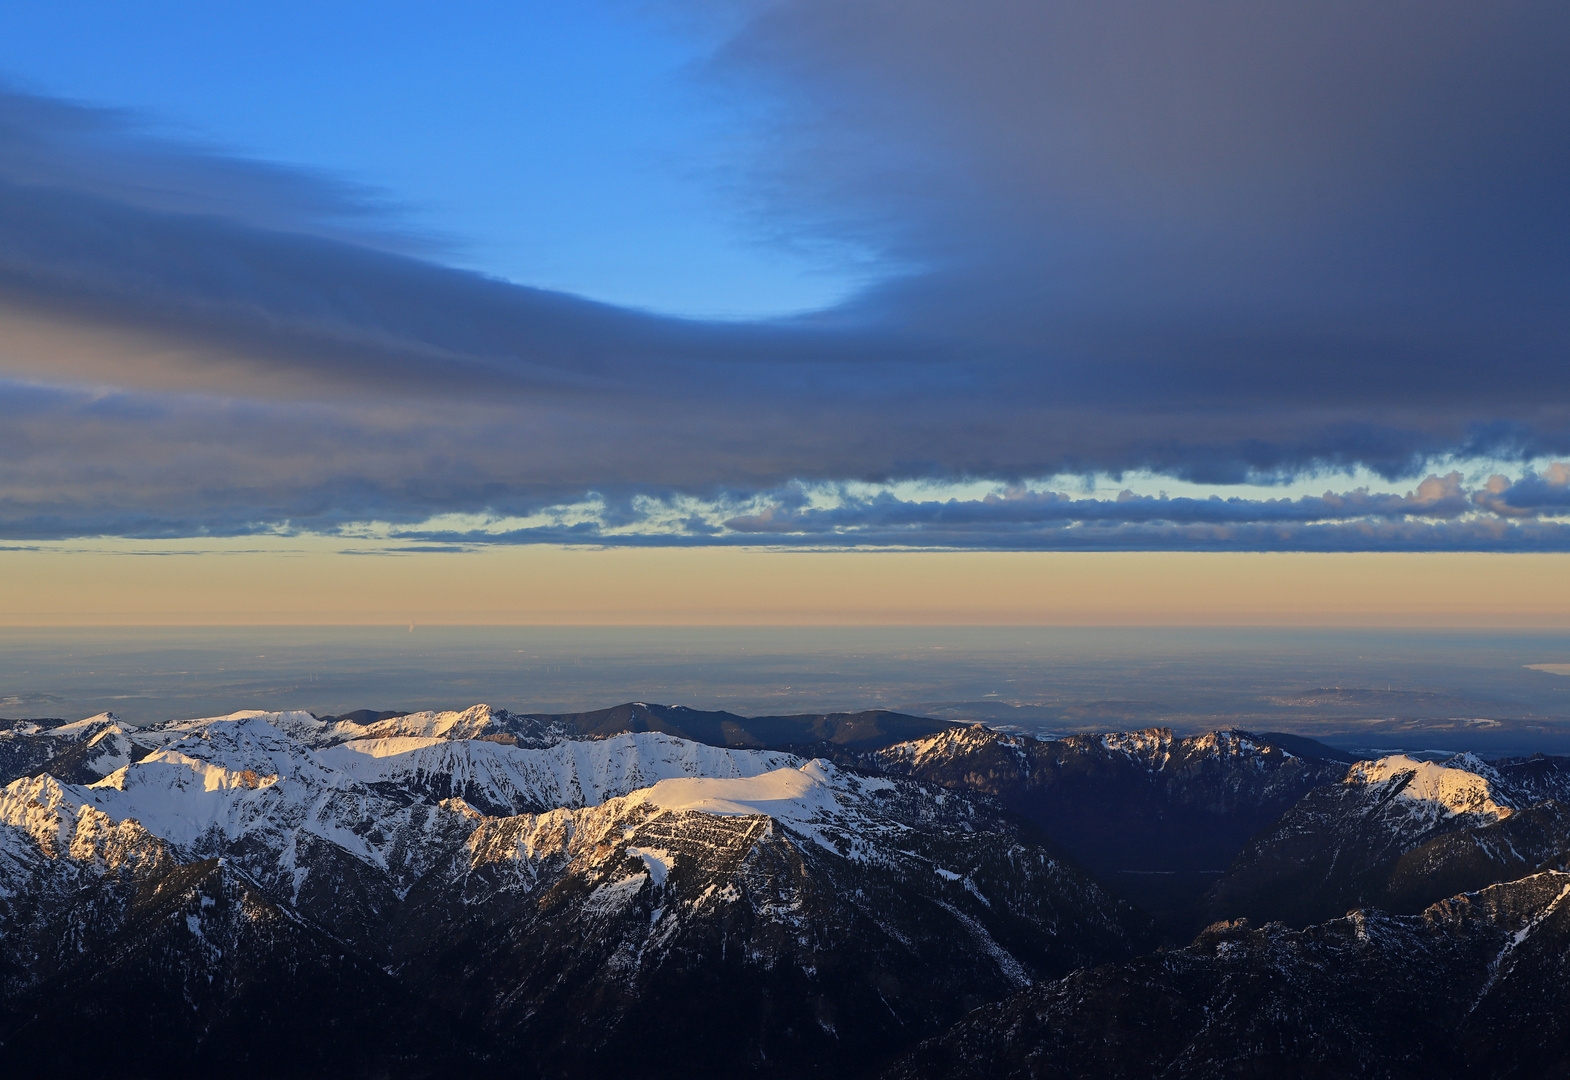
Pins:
x,y
1440,513
1218,242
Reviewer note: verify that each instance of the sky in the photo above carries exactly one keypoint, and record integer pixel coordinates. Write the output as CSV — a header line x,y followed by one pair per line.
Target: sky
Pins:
x,y
294,582
500,280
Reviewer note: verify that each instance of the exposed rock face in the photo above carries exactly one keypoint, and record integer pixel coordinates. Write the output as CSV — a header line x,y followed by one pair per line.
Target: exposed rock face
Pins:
x,y
1473,987
197,970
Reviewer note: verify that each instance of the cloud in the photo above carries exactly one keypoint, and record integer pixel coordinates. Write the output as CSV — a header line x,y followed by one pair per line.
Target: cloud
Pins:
x,y
1534,494
1218,242
1441,513
116,156
1335,216
114,463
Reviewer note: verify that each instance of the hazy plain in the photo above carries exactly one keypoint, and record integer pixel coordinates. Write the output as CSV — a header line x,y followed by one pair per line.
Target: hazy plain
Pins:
x,y
1358,688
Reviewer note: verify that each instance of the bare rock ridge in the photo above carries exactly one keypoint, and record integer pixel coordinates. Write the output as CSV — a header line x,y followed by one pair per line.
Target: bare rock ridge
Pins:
x,y
655,891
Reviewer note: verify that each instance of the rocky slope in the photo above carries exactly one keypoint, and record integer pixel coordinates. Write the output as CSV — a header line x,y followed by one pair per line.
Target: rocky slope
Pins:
x,y
1155,816
810,919
196,970
1474,986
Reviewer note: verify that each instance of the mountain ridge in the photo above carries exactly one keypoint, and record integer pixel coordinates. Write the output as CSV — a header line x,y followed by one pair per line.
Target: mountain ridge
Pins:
x,y
1473,986
1397,833
852,910
549,895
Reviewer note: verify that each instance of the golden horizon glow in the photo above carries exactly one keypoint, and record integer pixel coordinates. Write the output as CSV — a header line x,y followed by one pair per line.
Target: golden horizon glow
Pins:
x,y
289,581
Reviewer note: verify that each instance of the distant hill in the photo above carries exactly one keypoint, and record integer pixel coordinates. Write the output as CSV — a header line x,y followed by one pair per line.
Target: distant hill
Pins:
x,y
870,729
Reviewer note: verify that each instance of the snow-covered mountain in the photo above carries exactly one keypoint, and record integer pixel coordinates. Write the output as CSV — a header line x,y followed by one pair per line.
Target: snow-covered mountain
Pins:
x,y
804,916
869,729
1399,833
557,899
499,778
445,893
82,752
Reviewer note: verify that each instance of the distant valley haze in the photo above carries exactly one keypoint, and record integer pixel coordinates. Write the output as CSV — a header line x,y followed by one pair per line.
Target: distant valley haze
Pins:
x,y
1360,689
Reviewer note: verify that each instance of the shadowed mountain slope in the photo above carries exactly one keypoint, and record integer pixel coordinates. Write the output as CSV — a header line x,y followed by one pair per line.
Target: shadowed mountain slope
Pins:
x,y
1399,834
1155,816
1474,986
868,729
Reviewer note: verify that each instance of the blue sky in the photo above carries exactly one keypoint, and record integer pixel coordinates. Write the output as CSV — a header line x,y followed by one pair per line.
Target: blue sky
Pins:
x,y
564,145
1010,274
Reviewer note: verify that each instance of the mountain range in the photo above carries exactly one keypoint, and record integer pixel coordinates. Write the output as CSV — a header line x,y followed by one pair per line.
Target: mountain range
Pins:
x,y
656,891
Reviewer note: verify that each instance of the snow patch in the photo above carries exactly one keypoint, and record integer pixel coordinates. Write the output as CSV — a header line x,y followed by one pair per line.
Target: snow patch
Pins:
x,y
791,795
571,773
657,862
614,896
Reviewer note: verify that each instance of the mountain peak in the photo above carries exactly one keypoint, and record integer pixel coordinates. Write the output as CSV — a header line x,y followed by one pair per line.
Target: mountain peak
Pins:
x,y
1461,785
